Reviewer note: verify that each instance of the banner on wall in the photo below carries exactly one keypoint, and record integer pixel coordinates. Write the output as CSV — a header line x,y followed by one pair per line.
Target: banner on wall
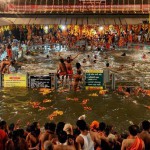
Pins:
x,y
77,8
94,79
15,80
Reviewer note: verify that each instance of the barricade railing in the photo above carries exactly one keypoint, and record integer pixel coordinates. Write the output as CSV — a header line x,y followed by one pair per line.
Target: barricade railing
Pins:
x,y
123,80
111,80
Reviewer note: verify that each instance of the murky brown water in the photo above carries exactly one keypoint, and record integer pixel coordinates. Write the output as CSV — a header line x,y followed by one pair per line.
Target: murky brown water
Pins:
x,y
112,108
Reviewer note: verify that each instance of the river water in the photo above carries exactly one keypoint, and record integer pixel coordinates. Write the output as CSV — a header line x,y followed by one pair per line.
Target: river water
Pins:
x,y
30,105
112,108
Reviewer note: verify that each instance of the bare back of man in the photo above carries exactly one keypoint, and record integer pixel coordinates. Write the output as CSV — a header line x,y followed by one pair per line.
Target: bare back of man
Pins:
x,y
64,147
46,136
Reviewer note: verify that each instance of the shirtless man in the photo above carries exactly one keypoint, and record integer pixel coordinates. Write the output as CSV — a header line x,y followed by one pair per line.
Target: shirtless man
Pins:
x,y
77,79
4,65
87,139
133,142
62,140
16,142
144,135
49,134
69,65
62,70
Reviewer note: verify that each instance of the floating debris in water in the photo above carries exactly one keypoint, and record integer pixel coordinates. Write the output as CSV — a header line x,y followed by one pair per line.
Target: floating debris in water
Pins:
x,y
55,114
47,101
94,94
42,108
35,104
82,117
135,102
131,122
45,91
84,102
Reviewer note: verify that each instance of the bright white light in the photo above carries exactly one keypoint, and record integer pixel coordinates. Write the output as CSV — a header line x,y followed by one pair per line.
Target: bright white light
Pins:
x,y
101,28
63,27
46,27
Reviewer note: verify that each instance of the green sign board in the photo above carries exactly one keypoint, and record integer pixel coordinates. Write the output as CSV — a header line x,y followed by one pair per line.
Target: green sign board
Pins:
x,y
94,79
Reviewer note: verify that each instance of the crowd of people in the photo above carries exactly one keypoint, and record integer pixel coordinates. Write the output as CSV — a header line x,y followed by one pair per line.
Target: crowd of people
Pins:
x,y
64,136
16,40
71,35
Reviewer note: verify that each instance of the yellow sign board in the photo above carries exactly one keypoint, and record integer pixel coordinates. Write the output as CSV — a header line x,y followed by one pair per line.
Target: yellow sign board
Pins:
x,y
15,80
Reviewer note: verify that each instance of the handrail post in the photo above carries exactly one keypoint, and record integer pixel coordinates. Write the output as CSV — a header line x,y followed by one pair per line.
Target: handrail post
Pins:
x,y
0,80
142,82
113,86
55,78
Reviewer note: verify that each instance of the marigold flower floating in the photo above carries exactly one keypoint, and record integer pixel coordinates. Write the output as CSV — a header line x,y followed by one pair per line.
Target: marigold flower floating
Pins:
x,y
87,108
35,104
84,102
94,94
147,107
47,101
42,108
76,99
45,91
73,99
102,92
55,114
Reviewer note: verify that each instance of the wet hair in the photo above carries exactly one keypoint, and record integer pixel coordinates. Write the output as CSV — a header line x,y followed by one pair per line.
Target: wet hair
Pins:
x,y
60,127
35,124
146,125
102,126
107,64
108,129
11,127
21,133
46,126
68,60
61,60
78,65
81,124
62,137
2,124
134,130
50,126
9,46
76,132
28,129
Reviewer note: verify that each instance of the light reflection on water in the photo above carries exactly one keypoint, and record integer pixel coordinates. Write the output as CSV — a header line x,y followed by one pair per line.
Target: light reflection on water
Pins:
x,y
111,108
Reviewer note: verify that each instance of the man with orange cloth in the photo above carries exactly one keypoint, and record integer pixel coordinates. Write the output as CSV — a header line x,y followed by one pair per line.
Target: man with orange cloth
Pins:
x,y
133,142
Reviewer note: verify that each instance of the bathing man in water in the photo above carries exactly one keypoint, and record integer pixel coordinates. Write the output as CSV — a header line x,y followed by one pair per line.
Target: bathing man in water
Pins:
x,y
62,70
69,65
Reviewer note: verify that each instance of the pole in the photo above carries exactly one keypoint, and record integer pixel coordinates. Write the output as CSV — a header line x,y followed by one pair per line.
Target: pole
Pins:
x,y
113,82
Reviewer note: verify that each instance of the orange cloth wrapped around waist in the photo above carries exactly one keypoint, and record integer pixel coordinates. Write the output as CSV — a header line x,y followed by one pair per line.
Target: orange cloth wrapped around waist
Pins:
x,y
137,145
